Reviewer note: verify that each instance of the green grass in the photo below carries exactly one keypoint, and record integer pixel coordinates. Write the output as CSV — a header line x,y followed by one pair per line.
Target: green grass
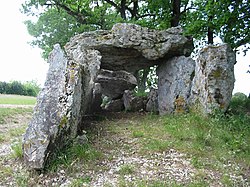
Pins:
x,y
76,153
11,112
17,100
17,149
126,169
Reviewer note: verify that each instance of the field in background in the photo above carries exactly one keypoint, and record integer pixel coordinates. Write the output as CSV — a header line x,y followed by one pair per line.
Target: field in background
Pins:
x,y
17,100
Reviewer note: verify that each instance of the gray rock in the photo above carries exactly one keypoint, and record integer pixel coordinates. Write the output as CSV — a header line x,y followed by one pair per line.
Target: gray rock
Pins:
x,y
174,84
61,104
133,103
214,78
113,83
48,114
115,106
152,103
131,47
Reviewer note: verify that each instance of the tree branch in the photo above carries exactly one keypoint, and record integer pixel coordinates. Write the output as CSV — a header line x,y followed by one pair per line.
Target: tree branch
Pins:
x,y
113,4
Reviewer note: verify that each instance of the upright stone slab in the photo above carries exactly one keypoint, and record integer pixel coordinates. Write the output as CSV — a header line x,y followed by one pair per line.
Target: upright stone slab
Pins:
x,y
48,113
65,98
214,78
174,84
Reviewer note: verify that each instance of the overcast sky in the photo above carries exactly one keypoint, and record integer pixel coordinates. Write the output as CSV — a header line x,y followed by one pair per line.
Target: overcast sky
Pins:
x,y
19,61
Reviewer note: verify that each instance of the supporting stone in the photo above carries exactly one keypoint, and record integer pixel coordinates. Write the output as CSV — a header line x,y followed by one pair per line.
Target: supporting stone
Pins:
x,y
48,113
152,103
61,104
214,79
174,84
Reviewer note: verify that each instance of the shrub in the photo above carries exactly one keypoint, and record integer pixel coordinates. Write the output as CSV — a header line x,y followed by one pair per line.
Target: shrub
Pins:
x,y
29,88
240,104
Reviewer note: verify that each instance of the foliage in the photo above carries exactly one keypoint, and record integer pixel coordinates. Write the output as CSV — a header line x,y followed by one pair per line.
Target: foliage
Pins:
x,y
227,19
240,104
29,88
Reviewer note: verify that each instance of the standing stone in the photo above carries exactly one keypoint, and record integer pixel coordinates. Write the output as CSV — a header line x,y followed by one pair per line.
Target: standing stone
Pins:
x,y
214,78
152,103
174,84
66,96
48,113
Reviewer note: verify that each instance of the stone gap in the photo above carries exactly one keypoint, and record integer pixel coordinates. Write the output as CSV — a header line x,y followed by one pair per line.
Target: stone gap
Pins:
x,y
103,63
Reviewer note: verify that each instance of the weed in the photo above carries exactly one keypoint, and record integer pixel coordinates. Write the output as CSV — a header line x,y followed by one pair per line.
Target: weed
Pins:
x,y
21,179
17,149
74,153
80,181
137,134
126,169
157,145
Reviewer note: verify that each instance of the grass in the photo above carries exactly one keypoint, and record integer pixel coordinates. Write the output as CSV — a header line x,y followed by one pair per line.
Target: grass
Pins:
x,y
126,169
17,100
6,113
219,143
74,154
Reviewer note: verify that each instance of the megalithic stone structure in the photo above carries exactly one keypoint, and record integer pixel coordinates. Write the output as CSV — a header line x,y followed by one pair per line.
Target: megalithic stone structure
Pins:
x,y
85,71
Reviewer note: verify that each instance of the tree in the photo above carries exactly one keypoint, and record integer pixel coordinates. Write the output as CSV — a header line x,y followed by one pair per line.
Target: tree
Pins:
x,y
228,19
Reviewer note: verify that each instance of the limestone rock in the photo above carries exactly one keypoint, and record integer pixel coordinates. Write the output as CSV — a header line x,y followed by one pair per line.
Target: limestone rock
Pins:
x,y
113,83
132,102
152,103
48,113
214,78
61,104
174,84
115,106
131,47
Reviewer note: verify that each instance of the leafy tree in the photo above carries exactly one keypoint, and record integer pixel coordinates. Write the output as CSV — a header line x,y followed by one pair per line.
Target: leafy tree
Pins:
x,y
30,88
228,19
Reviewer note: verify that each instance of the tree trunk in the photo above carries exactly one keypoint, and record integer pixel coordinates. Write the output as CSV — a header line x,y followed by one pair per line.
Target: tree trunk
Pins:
x,y
210,28
210,35
123,9
134,11
176,13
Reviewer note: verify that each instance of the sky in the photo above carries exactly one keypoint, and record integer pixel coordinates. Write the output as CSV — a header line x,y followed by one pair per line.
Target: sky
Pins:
x,y
19,61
